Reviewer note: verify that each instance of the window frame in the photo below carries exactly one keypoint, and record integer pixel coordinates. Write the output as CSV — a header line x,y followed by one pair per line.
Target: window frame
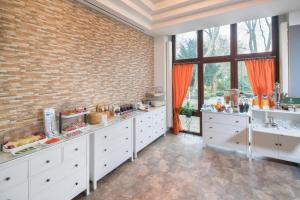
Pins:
x,y
233,58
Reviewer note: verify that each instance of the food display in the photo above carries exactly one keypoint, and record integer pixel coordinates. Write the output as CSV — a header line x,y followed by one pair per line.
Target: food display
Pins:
x,y
74,126
21,143
52,140
74,111
74,119
72,134
25,150
219,107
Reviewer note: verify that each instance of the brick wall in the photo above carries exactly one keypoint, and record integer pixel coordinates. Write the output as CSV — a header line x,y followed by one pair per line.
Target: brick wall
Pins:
x,y
58,53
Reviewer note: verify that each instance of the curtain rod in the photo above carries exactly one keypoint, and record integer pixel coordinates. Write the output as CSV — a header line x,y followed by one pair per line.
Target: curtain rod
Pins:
x,y
255,58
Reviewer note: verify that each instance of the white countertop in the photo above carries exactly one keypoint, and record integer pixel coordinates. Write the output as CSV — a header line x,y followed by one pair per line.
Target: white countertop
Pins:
x,y
6,157
226,113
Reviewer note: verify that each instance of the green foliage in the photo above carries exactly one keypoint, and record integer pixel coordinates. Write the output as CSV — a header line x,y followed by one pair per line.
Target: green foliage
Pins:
x,y
187,49
187,109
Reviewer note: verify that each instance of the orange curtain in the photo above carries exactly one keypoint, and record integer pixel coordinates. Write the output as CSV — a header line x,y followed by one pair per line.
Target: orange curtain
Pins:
x,y
261,74
182,76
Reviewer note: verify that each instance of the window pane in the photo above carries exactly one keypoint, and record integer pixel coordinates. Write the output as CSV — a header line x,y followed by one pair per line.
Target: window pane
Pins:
x,y
186,45
255,36
243,80
216,41
191,97
216,79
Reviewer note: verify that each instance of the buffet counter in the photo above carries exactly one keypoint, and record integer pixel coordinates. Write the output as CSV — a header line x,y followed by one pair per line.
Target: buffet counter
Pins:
x,y
6,157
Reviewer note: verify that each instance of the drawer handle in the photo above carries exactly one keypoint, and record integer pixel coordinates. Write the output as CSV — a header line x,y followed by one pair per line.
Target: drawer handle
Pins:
x,y
141,141
7,178
141,121
210,137
76,183
149,136
236,131
210,127
76,165
48,180
127,151
105,165
47,161
127,127
105,149
105,136
236,121
126,138
210,118
237,142
76,149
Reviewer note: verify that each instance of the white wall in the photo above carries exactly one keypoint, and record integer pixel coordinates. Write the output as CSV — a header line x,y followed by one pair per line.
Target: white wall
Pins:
x,y
294,49
294,18
160,62
163,71
284,53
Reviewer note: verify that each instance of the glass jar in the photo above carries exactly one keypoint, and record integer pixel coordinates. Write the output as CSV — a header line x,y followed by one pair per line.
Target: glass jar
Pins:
x,y
255,102
265,102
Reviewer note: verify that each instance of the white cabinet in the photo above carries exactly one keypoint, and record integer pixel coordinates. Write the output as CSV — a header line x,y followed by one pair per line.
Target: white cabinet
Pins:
x,y
276,146
148,127
225,130
110,147
289,148
18,192
264,144
281,141
58,172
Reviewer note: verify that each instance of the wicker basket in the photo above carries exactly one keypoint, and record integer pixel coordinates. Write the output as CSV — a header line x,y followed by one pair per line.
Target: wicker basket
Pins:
x,y
94,118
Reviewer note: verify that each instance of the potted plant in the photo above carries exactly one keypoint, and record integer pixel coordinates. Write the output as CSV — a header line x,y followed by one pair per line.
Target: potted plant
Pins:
x,y
187,110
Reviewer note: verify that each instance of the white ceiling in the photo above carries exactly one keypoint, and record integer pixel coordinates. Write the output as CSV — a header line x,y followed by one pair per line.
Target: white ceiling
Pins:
x,y
166,17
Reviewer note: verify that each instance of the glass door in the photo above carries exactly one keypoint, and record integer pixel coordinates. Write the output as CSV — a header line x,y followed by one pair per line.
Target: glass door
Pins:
x,y
189,117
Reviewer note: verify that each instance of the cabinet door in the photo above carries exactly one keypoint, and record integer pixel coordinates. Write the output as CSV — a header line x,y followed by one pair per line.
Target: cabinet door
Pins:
x,y
265,144
289,148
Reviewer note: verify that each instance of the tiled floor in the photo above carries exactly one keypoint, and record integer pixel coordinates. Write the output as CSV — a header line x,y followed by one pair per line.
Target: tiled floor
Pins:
x,y
177,168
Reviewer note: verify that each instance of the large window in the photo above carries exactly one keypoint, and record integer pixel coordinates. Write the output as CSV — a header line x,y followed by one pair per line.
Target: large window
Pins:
x,y
219,65
216,41
255,36
186,45
216,78
243,80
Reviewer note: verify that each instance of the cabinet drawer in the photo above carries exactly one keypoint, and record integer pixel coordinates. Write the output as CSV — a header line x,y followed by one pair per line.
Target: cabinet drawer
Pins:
x,y
232,141
13,174
18,192
108,149
45,160
225,119
75,148
45,180
108,134
144,120
107,164
65,189
223,129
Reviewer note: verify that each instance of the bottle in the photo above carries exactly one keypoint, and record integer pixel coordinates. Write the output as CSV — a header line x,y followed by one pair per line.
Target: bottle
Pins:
x,y
255,102
265,103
